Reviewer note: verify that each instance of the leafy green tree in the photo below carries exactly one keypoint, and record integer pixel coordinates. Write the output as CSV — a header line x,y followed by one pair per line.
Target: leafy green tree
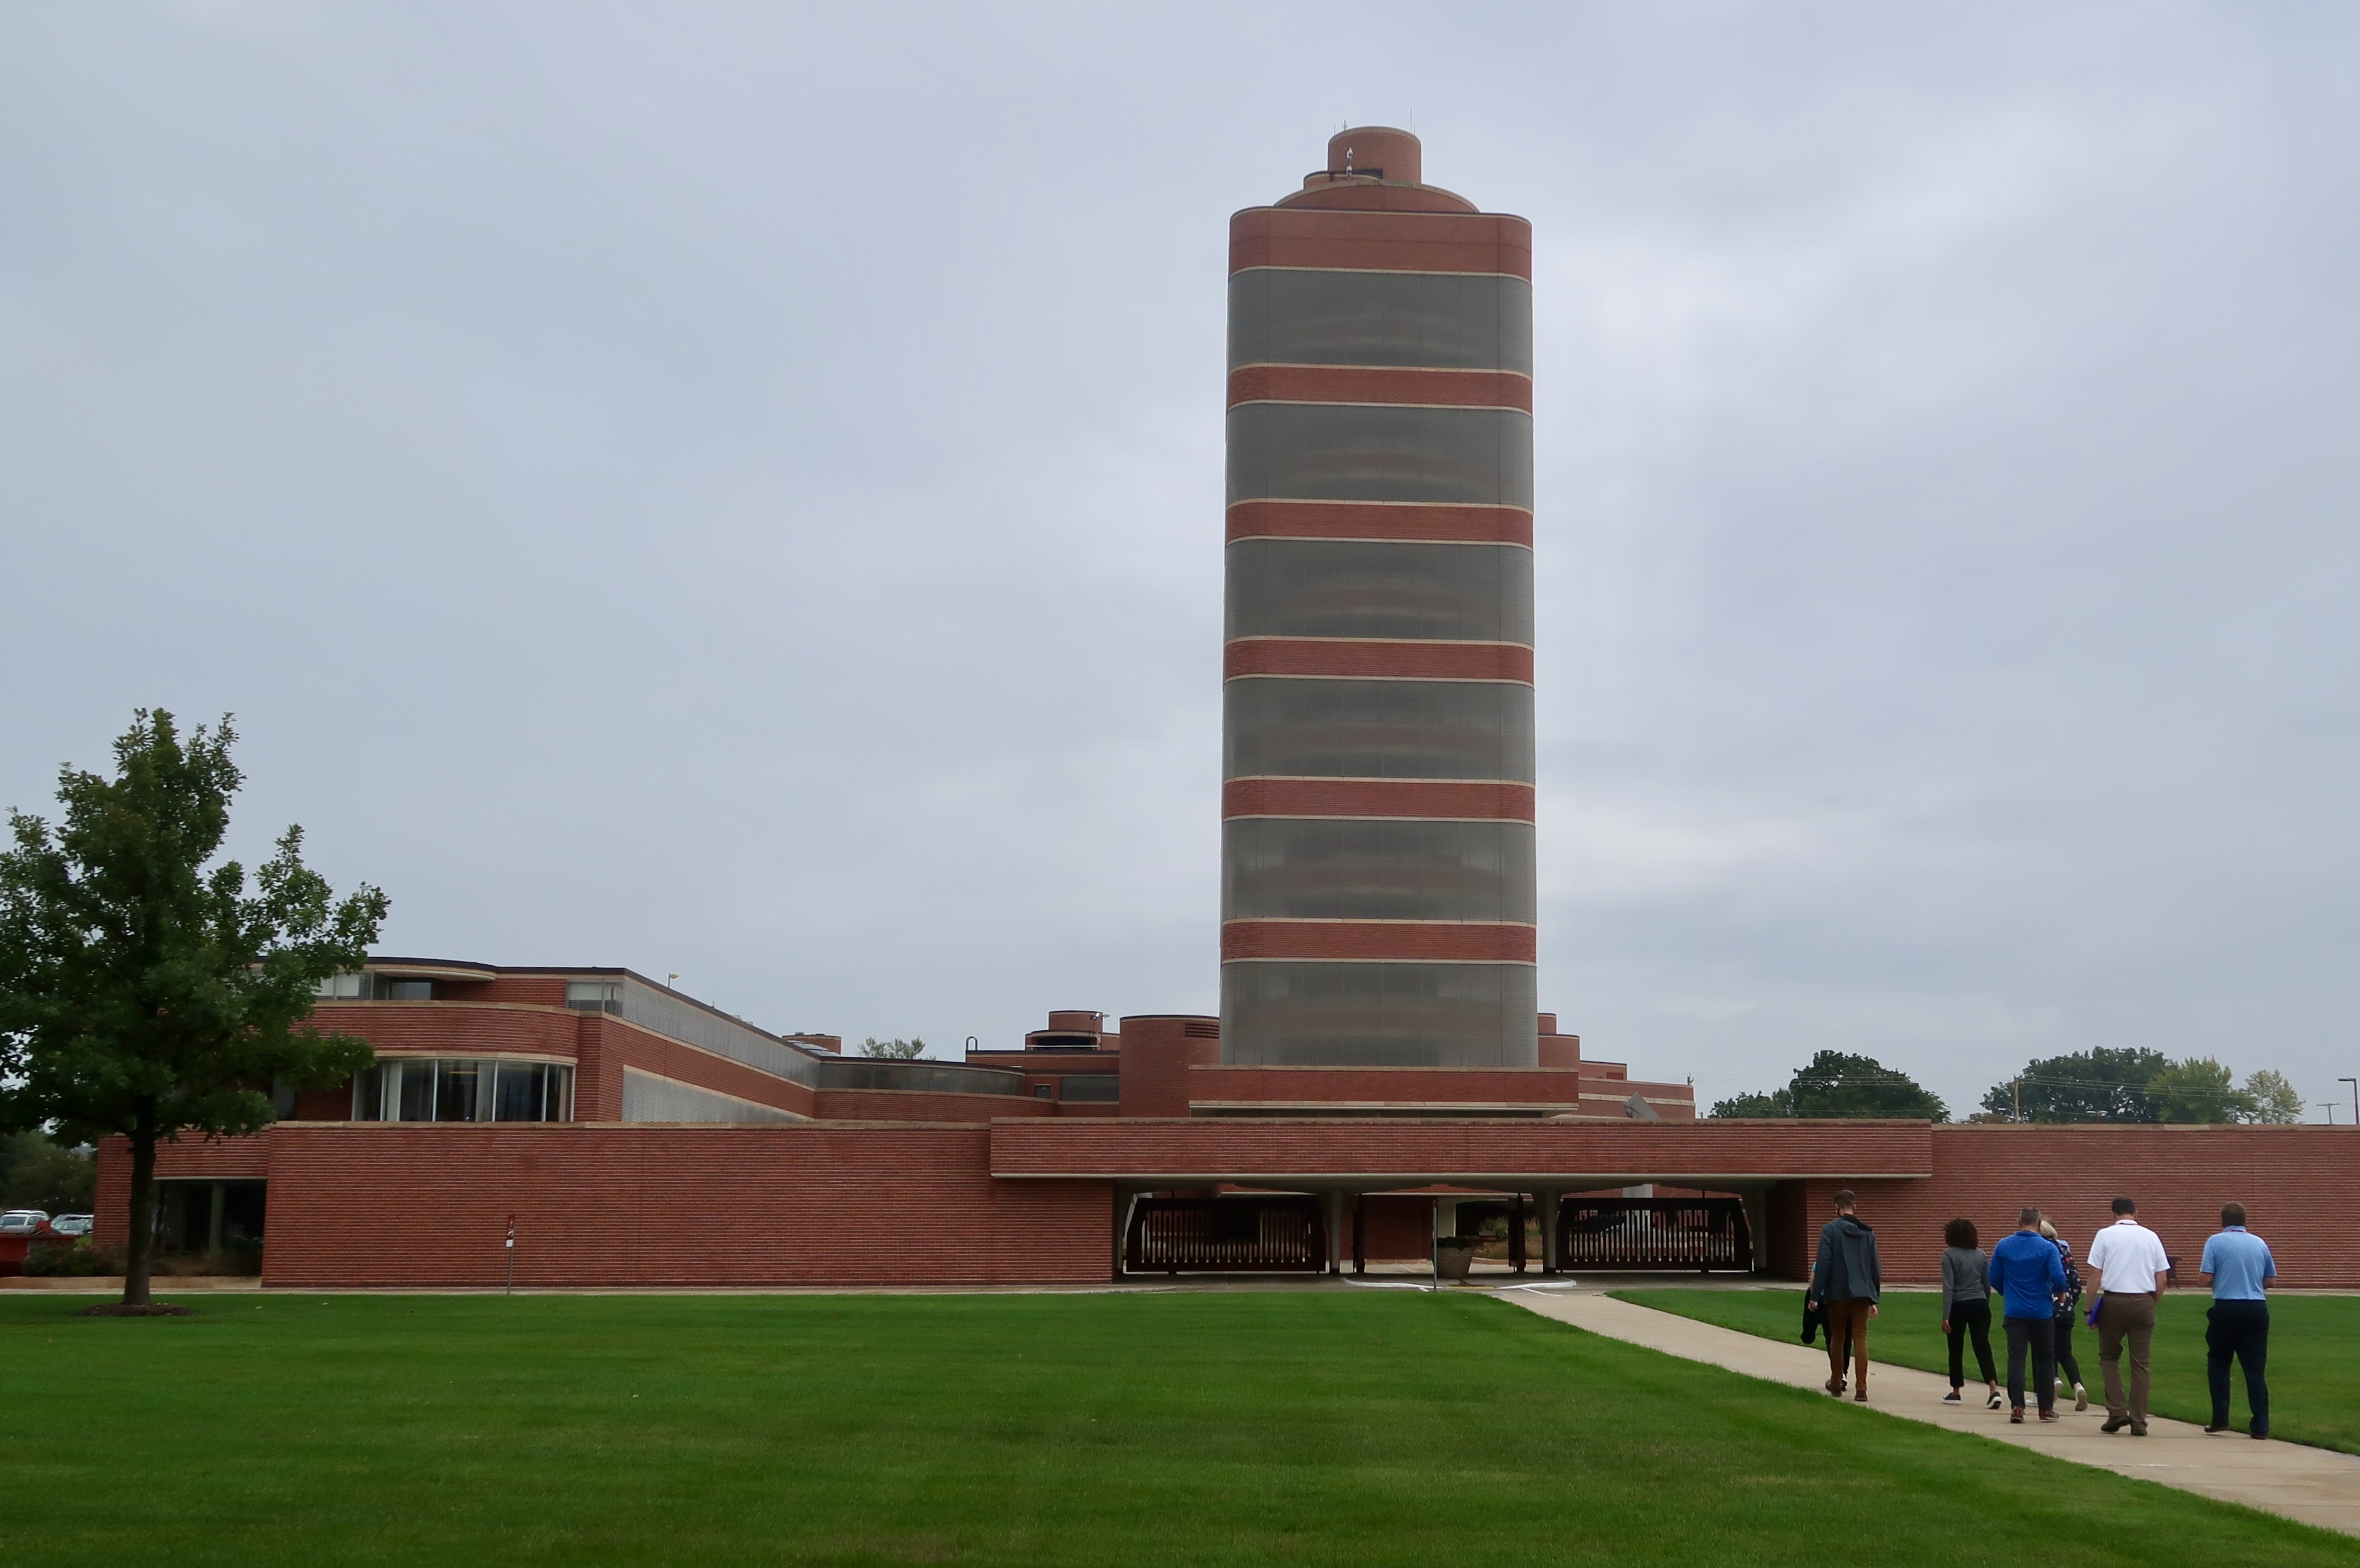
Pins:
x,y
2199,1090
1837,1084
2276,1099
37,1172
893,1050
1776,1103
144,989
2102,1084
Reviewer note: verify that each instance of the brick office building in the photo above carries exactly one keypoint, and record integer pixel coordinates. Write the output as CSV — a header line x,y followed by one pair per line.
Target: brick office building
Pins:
x,y
1381,1069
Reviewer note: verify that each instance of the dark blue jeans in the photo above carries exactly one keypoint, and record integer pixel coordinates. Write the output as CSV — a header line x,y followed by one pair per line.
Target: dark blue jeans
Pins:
x,y
2242,1330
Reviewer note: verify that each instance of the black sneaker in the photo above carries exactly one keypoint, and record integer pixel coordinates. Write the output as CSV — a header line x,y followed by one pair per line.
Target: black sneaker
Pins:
x,y
2115,1423
1951,1397
2217,1426
2261,1436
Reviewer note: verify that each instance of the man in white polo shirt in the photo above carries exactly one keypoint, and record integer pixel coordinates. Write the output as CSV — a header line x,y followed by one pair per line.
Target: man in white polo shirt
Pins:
x,y
2126,1265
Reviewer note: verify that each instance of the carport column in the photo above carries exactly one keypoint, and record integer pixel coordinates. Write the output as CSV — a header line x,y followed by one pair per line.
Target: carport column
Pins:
x,y
1122,1199
1548,1229
1332,1209
1757,1224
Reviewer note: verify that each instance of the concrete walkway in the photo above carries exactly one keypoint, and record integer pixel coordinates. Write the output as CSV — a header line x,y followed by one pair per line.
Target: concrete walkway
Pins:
x,y
2316,1486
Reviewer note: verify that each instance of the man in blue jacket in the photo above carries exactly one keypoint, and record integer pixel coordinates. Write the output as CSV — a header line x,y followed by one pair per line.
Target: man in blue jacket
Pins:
x,y
2027,1271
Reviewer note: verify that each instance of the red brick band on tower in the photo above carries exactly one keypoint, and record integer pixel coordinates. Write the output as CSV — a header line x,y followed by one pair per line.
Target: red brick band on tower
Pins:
x,y
1378,884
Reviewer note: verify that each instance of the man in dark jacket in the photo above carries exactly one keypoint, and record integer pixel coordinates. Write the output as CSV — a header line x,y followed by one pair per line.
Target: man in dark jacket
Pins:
x,y
1845,1281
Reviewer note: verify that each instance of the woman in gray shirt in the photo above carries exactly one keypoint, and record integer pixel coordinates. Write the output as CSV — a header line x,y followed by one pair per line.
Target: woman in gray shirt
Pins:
x,y
1966,1308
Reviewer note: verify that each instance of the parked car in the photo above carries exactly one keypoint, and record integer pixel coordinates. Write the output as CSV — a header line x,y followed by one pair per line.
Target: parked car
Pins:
x,y
73,1225
24,1222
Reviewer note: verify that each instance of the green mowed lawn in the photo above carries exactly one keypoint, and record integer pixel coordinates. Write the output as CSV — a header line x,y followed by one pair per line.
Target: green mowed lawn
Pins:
x,y
2314,1366
1361,1428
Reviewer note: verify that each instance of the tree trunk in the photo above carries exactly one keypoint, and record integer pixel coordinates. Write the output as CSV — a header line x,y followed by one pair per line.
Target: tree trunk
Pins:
x,y
140,1252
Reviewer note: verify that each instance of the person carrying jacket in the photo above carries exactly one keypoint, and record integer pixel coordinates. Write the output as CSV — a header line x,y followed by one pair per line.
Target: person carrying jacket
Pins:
x,y
2028,1273
1845,1281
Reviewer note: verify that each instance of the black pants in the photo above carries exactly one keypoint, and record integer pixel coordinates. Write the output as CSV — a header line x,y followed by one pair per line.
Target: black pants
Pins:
x,y
2239,1329
2041,1335
1966,1318
2065,1362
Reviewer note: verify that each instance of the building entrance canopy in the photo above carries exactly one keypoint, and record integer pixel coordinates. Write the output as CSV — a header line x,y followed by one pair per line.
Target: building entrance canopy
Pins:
x,y
1502,1157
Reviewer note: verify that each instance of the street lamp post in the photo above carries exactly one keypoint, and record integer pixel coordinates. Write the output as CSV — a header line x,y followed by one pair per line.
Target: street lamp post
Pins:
x,y
2356,1098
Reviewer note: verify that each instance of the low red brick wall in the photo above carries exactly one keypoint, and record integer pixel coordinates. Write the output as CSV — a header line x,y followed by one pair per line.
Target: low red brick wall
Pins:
x,y
2299,1184
427,1205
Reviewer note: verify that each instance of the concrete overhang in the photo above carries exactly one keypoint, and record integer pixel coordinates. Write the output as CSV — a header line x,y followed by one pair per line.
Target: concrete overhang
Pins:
x,y
457,969
1326,1152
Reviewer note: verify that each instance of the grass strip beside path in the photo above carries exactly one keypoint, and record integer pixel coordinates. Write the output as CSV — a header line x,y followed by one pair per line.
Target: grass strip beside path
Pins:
x,y
2314,1366
1361,1428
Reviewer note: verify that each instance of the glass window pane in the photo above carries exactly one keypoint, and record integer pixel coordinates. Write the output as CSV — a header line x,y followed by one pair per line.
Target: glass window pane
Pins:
x,y
417,1092
455,1091
368,1094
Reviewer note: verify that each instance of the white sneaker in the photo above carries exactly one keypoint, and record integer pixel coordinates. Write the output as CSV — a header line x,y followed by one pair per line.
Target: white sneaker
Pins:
x,y
2081,1398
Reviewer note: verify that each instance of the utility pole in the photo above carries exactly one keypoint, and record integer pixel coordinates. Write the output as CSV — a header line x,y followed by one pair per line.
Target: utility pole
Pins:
x,y
2329,1107
2016,1086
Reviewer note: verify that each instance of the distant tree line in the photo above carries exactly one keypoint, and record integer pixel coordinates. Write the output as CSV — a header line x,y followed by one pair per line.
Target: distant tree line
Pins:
x,y
2135,1085
2102,1084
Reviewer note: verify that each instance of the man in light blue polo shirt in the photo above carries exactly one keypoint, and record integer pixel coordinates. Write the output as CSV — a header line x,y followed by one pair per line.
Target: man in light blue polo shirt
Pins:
x,y
2238,1265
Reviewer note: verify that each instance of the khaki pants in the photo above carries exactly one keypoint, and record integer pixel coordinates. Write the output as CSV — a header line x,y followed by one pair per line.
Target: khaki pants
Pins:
x,y
1848,1315
2123,1318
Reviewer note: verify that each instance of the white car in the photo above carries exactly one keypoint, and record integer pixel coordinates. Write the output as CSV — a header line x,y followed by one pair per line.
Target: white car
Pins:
x,y
24,1222
73,1225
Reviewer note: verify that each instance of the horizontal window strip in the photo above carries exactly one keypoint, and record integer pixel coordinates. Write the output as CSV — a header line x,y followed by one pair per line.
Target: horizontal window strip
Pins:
x,y
1317,726
1360,451
1376,798
1409,388
1381,242
1437,941
1380,521
1378,591
1413,322
1381,869
1298,1013
1378,660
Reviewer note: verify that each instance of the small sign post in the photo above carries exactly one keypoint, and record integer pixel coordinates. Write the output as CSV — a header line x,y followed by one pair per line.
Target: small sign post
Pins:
x,y
511,1251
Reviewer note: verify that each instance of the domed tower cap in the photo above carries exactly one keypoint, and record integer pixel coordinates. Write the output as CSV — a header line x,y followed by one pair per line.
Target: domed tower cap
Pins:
x,y
1380,150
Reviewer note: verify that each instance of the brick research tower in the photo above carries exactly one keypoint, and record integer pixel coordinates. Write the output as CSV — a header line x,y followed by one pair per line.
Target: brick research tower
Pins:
x,y
1377,870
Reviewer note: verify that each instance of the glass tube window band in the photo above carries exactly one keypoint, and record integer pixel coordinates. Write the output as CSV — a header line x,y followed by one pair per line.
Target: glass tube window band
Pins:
x,y
1377,868
445,1089
1310,727
1372,589
1374,452
1427,321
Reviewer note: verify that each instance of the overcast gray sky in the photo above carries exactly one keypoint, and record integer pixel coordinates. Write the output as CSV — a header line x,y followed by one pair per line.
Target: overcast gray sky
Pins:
x,y
735,490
